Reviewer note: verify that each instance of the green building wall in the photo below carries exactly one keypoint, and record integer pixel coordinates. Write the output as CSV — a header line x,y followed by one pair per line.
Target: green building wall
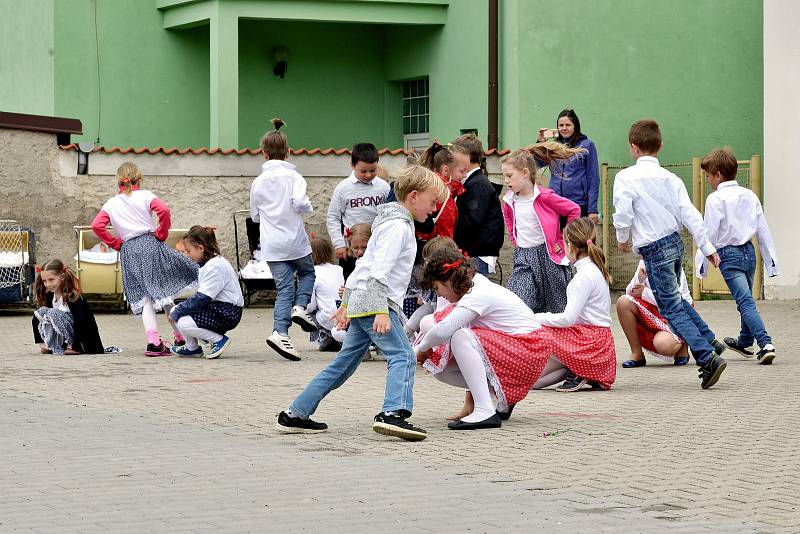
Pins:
x,y
27,57
696,67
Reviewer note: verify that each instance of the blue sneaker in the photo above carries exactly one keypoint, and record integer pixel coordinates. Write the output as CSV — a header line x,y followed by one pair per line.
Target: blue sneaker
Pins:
x,y
183,350
218,348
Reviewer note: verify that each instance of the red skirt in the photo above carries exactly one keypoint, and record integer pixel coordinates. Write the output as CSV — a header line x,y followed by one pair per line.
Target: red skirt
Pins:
x,y
650,323
514,362
587,350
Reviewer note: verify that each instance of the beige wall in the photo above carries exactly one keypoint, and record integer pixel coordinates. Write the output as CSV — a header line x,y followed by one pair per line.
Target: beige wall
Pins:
x,y
781,139
42,190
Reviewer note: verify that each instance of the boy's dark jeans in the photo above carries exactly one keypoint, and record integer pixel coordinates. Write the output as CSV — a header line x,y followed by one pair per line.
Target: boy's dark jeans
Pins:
x,y
738,265
663,259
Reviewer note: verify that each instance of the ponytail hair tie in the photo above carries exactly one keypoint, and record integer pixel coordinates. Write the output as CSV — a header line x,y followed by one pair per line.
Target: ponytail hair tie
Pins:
x,y
37,268
589,242
447,267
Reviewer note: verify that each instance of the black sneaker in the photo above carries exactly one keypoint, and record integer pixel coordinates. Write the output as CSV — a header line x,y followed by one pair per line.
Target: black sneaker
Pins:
x,y
766,354
396,425
719,346
572,383
330,345
296,425
710,373
733,344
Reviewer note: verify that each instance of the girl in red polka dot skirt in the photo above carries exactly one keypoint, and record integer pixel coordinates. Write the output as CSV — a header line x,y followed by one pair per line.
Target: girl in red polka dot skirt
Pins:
x,y
486,340
646,329
581,335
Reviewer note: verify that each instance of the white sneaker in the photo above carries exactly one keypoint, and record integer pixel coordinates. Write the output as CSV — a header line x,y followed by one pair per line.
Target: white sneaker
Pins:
x,y
302,319
283,346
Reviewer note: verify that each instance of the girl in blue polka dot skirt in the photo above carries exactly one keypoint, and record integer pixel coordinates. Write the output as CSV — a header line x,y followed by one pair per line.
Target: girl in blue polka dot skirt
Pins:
x,y
216,308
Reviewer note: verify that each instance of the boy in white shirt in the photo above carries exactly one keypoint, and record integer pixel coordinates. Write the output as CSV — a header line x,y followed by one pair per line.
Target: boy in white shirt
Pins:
x,y
733,216
355,200
278,202
651,206
371,306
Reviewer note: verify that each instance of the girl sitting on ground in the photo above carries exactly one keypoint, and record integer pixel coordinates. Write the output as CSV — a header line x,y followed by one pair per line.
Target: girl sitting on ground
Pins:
x,y
325,298
646,329
64,323
217,305
581,335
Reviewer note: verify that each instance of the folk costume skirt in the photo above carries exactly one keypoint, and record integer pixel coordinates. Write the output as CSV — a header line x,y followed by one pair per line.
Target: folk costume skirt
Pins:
x,y
650,323
514,362
586,350
538,281
56,327
153,270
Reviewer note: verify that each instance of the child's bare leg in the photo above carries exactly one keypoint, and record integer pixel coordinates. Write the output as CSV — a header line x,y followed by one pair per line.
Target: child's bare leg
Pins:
x,y
665,344
469,405
628,315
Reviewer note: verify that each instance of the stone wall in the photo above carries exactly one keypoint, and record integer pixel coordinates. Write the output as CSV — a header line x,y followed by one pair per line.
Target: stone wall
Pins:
x,y
41,188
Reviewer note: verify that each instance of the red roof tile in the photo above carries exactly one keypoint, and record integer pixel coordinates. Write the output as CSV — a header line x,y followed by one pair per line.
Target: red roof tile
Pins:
x,y
243,151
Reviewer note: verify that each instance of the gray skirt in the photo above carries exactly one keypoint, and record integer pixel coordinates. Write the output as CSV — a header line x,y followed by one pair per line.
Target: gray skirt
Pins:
x,y
538,281
56,327
152,270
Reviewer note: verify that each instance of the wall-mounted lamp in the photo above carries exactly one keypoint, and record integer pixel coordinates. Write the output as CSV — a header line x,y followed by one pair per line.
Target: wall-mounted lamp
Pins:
x,y
281,54
84,149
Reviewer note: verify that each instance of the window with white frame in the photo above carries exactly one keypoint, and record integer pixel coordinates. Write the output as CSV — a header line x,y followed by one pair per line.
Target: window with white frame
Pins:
x,y
415,106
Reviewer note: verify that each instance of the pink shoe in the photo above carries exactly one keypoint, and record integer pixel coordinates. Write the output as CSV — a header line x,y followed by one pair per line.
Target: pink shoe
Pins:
x,y
157,350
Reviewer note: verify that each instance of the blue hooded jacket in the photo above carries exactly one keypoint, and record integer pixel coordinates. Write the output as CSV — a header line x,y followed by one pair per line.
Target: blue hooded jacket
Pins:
x,y
578,178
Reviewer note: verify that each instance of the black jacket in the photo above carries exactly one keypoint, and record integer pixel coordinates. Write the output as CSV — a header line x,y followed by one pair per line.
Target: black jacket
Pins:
x,y
87,337
479,230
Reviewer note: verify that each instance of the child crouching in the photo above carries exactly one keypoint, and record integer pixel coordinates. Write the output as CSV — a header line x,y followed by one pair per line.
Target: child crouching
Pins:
x,y
325,297
63,324
216,308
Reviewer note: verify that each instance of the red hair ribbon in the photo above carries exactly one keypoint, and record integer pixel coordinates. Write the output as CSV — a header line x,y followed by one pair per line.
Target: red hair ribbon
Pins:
x,y
347,233
312,235
37,268
447,267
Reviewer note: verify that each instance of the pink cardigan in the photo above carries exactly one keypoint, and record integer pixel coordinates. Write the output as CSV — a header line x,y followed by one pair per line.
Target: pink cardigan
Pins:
x,y
549,207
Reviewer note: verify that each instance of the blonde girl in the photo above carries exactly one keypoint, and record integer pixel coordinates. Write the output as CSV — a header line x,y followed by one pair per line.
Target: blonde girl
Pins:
x,y
63,323
152,272
532,216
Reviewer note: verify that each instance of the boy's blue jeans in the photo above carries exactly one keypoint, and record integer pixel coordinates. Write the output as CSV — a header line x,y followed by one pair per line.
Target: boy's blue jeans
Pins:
x,y
663,260
399,357
738,265
283,272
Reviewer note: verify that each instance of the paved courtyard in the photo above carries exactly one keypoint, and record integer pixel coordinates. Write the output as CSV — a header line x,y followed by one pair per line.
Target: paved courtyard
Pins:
x,y
123,443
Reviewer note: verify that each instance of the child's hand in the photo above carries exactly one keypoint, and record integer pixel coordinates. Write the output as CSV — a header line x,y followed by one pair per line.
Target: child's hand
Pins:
x,y
341,253
424,355
624,247
341,292
714,259
382,324
594,217
636,291
340,317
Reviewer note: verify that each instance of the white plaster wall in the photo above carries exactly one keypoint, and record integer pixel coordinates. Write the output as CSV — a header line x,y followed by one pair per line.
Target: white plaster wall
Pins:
x,y
781,139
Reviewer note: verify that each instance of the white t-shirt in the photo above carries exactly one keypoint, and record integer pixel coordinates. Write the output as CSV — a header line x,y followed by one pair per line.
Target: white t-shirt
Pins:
x,y
130,214
526,223
218,280
497,308
60,304
329,278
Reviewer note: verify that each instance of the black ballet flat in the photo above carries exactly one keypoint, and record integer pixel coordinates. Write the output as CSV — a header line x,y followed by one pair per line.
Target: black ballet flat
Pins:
x,y
504,416
492,422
